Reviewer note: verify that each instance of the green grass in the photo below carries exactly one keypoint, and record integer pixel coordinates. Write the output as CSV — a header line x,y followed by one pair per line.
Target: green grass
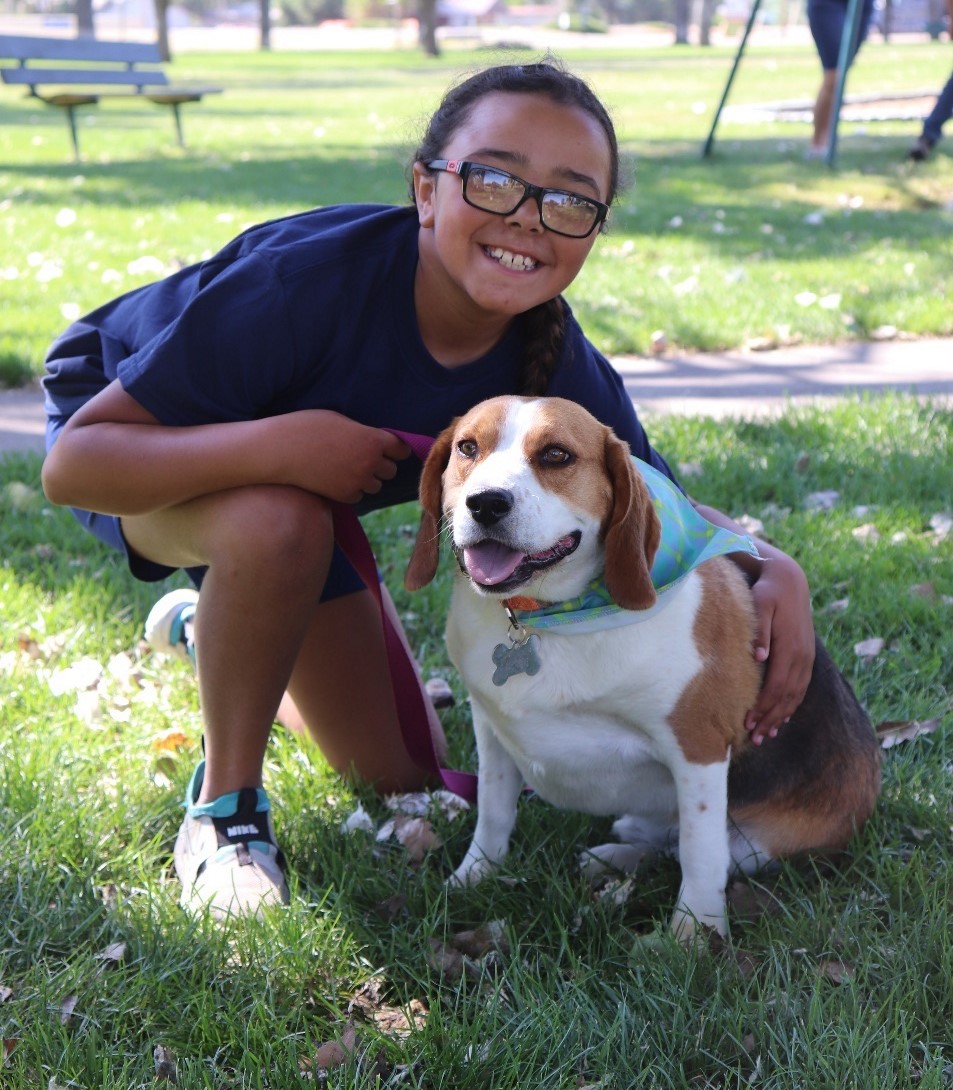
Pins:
x,y
716,253
840,978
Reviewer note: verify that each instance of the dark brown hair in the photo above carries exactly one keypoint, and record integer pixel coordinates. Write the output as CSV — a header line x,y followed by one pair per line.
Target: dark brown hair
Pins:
x,y
544,325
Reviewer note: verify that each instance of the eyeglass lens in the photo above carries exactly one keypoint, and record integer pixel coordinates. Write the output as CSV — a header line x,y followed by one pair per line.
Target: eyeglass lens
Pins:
x,y
497,191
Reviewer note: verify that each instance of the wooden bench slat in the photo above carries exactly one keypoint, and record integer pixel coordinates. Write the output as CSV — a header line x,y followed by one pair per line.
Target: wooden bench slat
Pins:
x,y
88,76
22,48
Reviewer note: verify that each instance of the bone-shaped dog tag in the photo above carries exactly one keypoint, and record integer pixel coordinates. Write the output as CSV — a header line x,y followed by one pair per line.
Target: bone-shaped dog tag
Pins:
x,y
520,657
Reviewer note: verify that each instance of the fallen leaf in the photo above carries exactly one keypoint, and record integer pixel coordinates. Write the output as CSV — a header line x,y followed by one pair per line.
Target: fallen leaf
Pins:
x,y
67,1007
164,1059
401,1023
416,835
821,501
82,676
445,959
751,525
358,822
368,1002
482,940
616,890
114,952
690,469
9,1044
840,606
926,591
5,993
941,524
336,1053
169,741
867,532
21,497
837,971
892,732
391,908
439,692
883,333
869,649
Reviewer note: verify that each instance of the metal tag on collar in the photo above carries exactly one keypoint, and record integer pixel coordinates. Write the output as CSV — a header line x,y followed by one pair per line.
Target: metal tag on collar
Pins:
x,y
521,656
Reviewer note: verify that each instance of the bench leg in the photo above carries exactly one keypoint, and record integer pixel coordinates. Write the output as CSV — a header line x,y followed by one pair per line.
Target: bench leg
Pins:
x,y
71,120
178,124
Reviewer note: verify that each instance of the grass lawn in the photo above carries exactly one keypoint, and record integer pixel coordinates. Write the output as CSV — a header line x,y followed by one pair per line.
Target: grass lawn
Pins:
x,y
840,972
839,975
753,245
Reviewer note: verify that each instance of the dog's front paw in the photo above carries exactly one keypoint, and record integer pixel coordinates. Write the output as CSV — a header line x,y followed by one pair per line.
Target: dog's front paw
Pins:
x,y
692,930
470,872
597,861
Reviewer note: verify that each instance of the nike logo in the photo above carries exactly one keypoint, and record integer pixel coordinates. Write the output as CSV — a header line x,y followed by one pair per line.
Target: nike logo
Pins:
x,y
242,830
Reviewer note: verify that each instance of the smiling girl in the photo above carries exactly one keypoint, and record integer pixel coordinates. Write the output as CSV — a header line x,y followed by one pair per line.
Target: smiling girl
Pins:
x,y
207,421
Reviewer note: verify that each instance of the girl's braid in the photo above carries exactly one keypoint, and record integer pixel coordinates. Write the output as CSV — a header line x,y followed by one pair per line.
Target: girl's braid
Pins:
x,y
544,332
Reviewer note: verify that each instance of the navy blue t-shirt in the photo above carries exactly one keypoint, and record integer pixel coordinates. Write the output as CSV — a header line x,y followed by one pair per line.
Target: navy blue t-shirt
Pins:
x,y
313,311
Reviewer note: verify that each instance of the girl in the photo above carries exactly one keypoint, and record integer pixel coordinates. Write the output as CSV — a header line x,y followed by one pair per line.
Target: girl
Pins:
x,y
206,421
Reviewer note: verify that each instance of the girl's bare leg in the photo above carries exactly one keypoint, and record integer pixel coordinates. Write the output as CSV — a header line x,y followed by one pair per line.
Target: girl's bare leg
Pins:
x,y
260,628
268,551
341,692
823,109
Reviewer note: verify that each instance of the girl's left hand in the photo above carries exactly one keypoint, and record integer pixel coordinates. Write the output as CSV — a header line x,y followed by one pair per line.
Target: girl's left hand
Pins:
x,y
784,640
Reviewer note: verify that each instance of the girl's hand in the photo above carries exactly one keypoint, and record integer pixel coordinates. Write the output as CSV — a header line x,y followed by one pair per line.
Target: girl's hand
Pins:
x,y
336,457
785,640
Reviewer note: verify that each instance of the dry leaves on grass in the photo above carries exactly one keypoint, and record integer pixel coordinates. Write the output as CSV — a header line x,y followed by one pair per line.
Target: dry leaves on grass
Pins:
x,y
892,732
411,826
469,953
367,1007
838,972
869,649
165,1066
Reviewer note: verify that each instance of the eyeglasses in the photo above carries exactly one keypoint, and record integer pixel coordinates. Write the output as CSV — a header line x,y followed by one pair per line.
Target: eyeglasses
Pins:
x,y
493,190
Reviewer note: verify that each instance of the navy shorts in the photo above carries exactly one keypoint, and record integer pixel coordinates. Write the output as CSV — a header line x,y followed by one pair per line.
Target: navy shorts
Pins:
x,y
827,19
342,578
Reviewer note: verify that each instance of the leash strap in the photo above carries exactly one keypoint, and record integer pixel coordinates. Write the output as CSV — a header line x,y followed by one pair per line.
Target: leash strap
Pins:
x,y
409,697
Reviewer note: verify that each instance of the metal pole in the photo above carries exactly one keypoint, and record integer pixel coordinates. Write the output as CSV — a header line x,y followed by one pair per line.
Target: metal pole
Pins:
x,y
848,43
706,151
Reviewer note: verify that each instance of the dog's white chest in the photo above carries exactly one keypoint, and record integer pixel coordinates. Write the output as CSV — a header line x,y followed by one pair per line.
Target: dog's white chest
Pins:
x,y
585,728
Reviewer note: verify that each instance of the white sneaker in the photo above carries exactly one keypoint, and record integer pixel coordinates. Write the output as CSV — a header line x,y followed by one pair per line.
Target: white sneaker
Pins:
x,y
169,624
225,854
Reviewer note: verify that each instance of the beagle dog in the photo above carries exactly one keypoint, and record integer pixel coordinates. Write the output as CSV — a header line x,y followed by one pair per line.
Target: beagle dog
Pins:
x,y
643,718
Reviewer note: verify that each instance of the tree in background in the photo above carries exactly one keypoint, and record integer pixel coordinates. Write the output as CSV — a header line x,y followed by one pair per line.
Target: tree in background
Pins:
x,y
427,22
84,19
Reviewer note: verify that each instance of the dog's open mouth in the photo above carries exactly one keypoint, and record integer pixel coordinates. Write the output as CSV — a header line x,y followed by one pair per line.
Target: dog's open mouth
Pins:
x,y
492,564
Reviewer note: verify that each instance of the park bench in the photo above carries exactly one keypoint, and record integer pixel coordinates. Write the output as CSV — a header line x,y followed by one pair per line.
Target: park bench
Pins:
x,y
88,70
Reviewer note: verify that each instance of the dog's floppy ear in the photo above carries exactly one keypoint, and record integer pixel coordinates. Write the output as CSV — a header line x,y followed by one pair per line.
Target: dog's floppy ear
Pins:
x,y
633,531
422,566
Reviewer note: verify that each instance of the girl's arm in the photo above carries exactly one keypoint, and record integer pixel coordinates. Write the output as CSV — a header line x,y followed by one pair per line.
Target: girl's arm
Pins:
x,y
785,630
114,457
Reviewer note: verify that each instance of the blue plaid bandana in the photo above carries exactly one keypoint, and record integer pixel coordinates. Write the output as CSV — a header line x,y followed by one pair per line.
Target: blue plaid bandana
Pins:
x,y
687,541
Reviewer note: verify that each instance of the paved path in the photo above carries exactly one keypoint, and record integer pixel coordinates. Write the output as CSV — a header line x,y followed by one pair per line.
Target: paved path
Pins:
x,y
724,384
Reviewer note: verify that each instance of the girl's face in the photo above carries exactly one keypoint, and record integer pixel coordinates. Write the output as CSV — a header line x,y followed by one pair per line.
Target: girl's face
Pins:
x,y
479,262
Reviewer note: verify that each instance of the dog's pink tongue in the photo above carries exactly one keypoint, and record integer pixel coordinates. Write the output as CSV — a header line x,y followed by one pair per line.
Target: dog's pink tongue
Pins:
x,y
490,562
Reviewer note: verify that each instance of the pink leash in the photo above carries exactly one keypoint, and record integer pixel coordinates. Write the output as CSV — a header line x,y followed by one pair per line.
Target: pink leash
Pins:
x,y
411,709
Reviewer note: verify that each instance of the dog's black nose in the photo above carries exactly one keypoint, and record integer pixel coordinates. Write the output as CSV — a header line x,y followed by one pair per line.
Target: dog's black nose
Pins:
x,y
490,506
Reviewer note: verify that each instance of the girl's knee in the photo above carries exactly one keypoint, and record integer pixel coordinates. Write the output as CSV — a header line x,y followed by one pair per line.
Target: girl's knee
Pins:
x,y
284,528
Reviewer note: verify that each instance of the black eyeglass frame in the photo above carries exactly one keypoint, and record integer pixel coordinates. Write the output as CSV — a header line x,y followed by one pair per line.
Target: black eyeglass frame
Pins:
x,y
463,167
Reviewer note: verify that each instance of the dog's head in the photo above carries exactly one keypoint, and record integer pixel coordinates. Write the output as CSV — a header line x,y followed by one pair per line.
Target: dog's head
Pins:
x,y
539,498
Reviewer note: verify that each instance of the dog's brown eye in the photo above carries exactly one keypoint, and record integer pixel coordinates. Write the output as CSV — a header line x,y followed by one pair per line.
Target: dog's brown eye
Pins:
x,y
468,448
556,456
